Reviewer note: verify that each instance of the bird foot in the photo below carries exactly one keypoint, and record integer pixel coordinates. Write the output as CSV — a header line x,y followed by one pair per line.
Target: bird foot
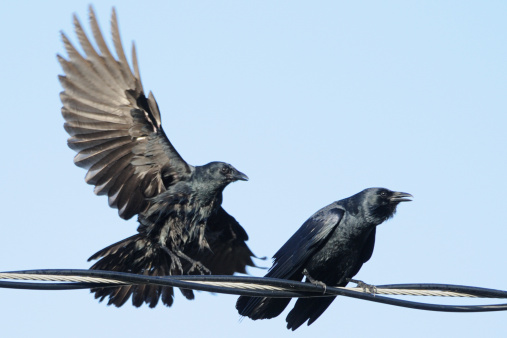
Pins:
x,y
366,287
175,261
196,265
314,281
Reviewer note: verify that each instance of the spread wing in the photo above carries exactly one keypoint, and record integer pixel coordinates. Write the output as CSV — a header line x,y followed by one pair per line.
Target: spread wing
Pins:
x,y
291,257
114,128
226,239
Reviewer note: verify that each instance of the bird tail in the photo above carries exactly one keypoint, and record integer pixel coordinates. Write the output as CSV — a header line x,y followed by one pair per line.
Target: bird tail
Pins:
x,y
307,309
262,307
140,255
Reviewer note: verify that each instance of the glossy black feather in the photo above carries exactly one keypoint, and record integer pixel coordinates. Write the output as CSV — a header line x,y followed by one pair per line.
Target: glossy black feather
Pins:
x,y
331,246
227,244
117,133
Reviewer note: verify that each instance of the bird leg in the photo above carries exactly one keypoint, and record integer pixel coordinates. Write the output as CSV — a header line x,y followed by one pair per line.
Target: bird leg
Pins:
x,y
177,254
203,243
196,265
175,260
366,287
314,281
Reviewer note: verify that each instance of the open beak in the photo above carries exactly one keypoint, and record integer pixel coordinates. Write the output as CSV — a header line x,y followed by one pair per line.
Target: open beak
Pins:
x,y
239,176
401,197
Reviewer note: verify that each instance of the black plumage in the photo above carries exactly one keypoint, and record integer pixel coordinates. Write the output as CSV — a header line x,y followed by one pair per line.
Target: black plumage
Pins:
x,y
117,134
330,247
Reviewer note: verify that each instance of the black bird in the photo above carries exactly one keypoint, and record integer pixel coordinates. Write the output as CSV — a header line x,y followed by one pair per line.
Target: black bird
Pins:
x,y
330,248
116,131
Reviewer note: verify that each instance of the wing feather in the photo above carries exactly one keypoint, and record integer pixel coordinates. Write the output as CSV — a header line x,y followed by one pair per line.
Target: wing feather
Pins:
x,y
305,242
226,239
137,75
116,161
114,128
92,139
113,66
126,72
99,63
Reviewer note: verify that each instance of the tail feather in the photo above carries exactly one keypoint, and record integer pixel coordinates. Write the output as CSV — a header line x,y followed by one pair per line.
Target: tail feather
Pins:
x,y
112,249
141,255
261,308
307,309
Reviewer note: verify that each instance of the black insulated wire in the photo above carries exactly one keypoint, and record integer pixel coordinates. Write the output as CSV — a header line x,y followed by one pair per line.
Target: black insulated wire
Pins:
x,y
256,286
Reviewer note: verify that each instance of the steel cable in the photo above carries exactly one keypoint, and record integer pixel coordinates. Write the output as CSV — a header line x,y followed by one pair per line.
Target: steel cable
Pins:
x,y
70,279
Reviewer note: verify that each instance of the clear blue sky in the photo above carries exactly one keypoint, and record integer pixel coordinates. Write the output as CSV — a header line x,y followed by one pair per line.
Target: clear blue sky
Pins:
x,y
314,101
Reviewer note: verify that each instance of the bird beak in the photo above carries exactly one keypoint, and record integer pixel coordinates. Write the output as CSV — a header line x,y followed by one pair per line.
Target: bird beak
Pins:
x,y
401,197
239,176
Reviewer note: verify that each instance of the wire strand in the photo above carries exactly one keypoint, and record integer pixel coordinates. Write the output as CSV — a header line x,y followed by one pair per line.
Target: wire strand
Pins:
x,y
73,279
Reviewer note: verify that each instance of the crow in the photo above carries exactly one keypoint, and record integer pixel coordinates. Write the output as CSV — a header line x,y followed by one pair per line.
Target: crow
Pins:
x,y
329,248
117,134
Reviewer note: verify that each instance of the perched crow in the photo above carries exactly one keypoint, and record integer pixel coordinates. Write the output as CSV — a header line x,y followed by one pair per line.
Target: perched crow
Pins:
x,y
117,134
330,248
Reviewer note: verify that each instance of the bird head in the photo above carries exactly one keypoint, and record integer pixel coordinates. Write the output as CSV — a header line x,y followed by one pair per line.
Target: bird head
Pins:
x,y
381,203
220,174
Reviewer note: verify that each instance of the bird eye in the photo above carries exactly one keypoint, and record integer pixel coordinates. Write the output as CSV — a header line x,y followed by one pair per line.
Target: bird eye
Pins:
x,y
225,170
383,194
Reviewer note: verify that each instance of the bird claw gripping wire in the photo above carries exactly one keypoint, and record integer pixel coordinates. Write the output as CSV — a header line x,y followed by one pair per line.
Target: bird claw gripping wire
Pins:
x,y
314,281
367,288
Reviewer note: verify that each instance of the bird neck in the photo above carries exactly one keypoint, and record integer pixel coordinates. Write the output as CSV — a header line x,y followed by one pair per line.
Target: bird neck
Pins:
x,y
381,213
208,197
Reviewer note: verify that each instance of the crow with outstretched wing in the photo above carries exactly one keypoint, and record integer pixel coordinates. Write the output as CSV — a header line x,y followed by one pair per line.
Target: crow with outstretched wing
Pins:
x,y
117,133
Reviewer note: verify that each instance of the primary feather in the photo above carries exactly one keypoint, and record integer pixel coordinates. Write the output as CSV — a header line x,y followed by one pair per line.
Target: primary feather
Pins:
x,y
117,133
